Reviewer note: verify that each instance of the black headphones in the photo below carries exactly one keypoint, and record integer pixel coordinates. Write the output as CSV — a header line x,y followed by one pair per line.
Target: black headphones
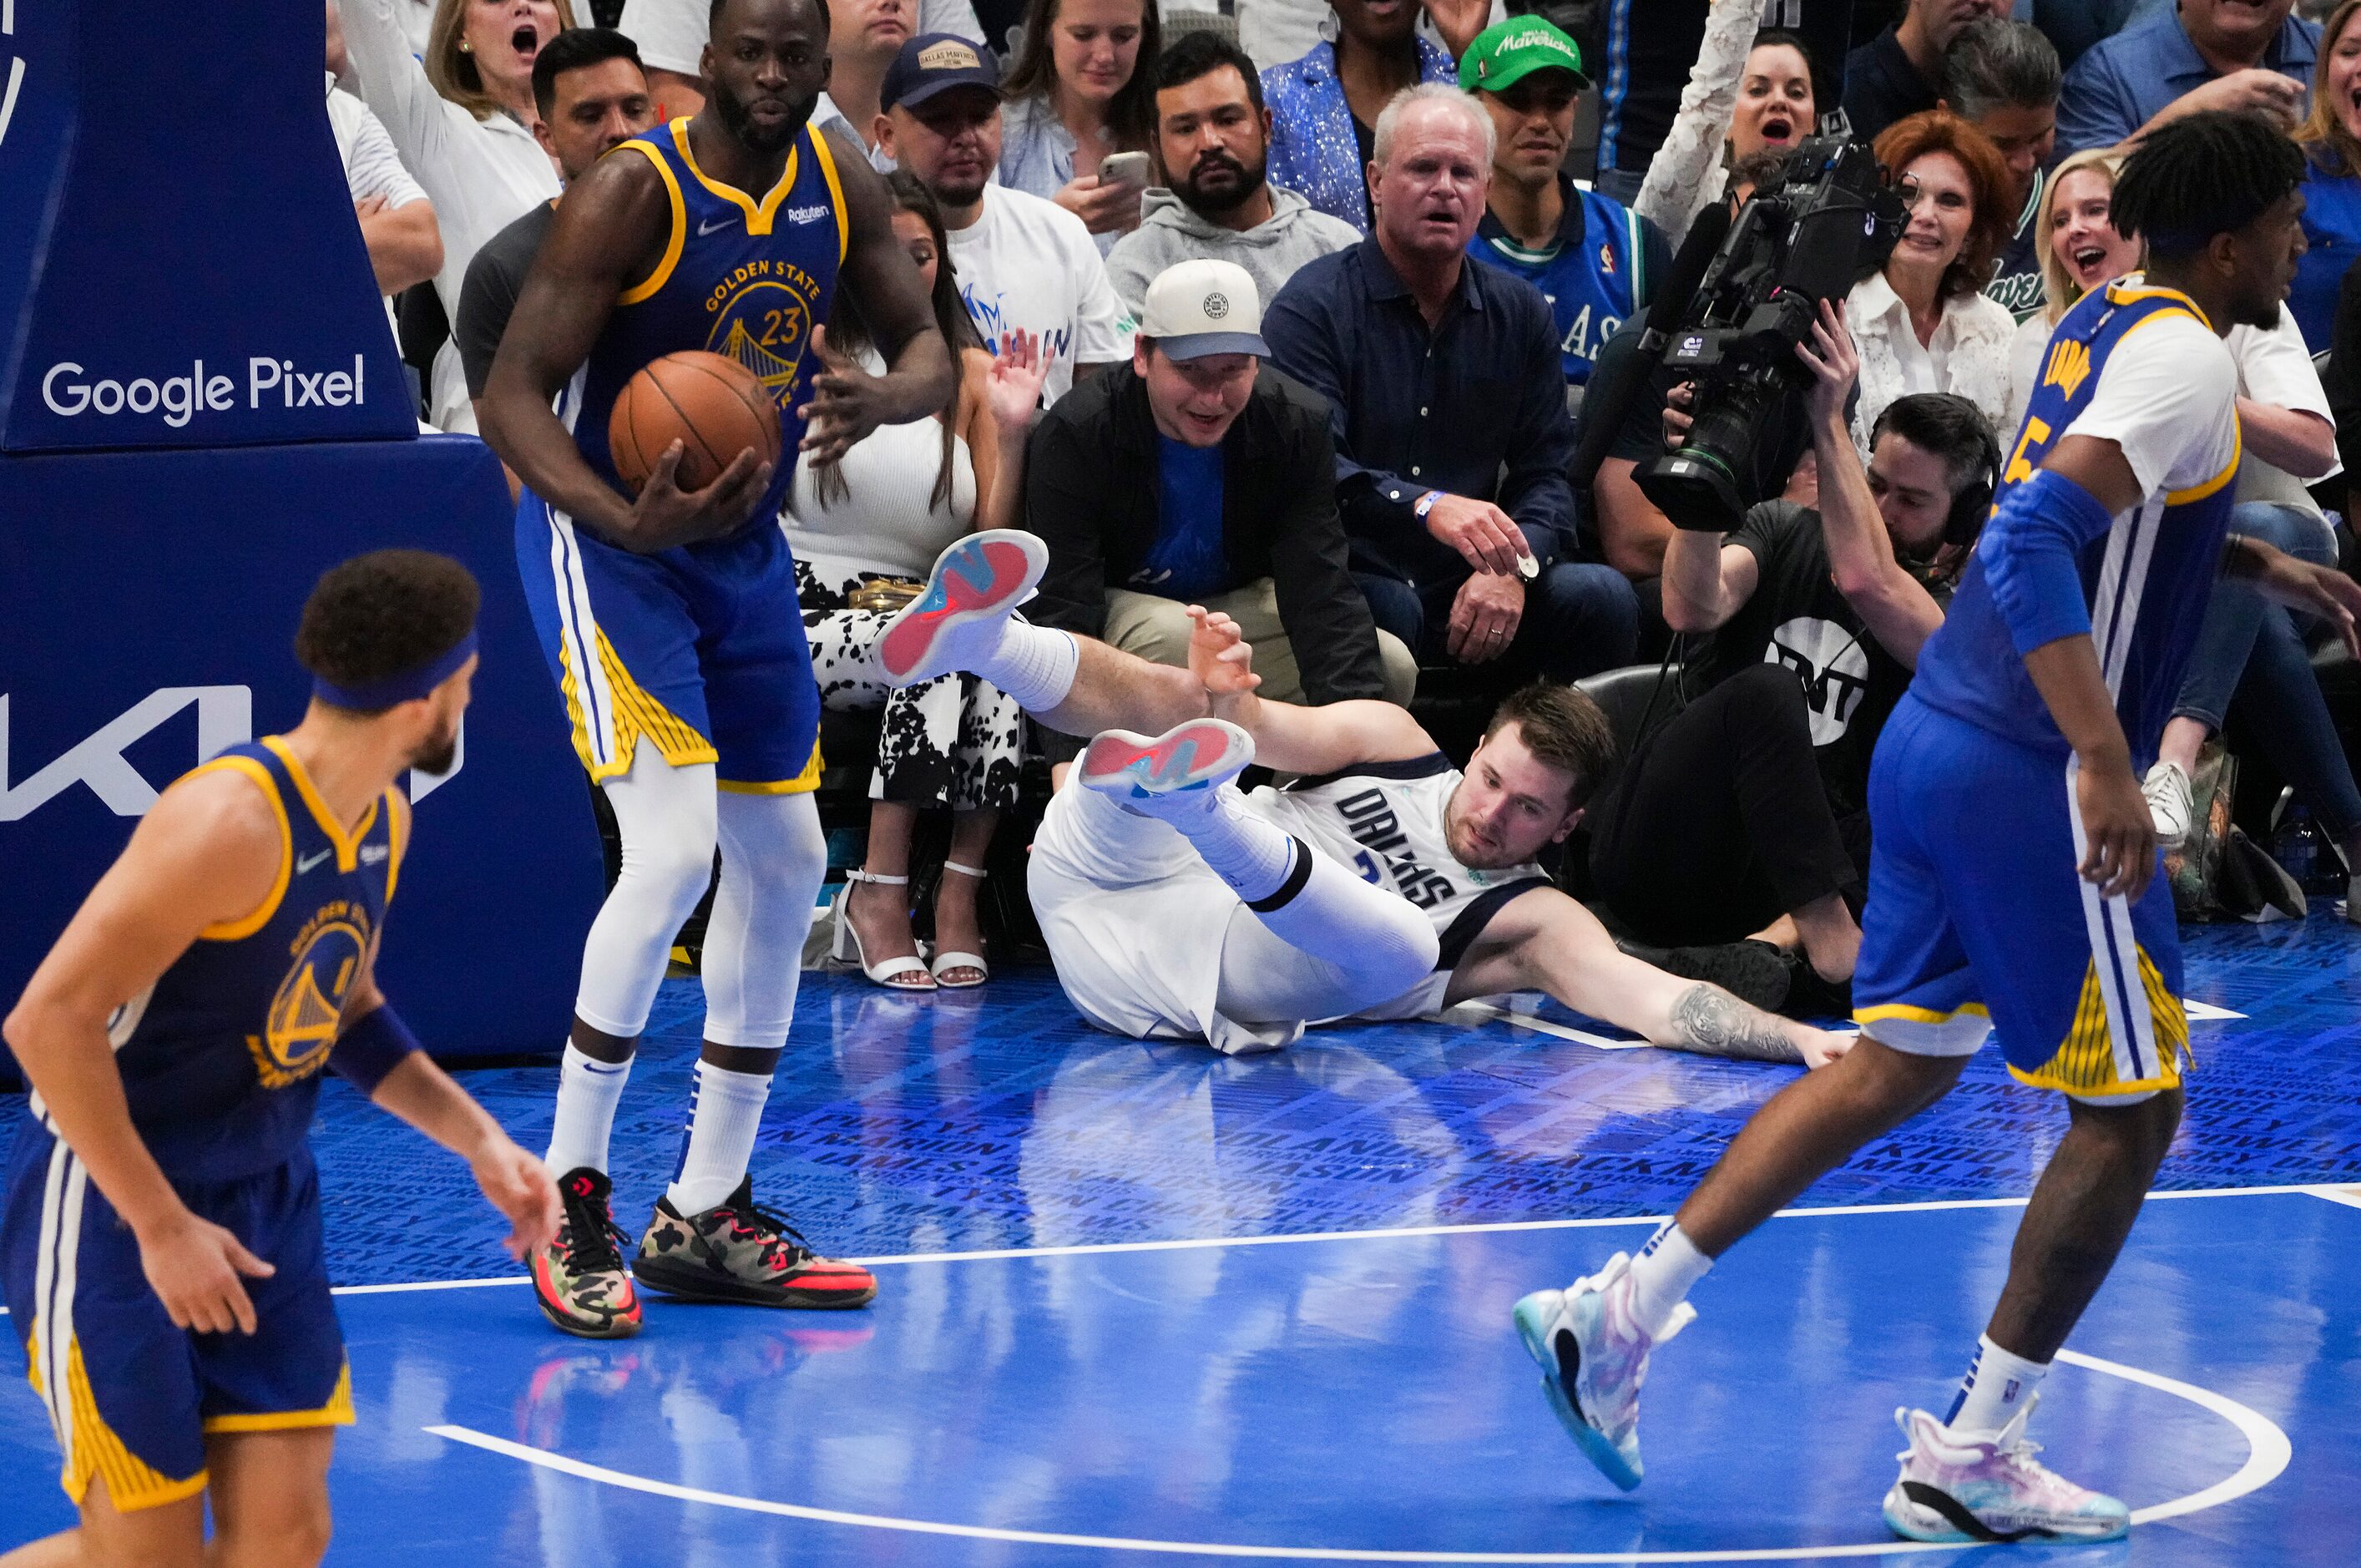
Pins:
x,y
1972,505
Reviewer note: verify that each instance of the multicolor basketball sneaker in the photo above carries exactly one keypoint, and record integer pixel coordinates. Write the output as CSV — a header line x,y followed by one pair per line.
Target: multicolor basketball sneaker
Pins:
x,y
979,580
1194,758
579,1278
1956,1488
1594,1356
737,1252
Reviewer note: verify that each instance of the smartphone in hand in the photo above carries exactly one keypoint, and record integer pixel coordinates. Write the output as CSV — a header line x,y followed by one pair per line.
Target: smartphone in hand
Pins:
x,y
1124,169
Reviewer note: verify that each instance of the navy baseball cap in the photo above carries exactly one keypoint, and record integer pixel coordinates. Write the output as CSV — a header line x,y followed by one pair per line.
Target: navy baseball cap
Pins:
x,y
932,64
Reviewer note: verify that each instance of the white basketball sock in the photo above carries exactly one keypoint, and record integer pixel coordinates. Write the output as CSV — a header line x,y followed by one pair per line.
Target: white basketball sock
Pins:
x,y
588,1091
722,1124
1998,1385
1034,665
1254,855
1663,1276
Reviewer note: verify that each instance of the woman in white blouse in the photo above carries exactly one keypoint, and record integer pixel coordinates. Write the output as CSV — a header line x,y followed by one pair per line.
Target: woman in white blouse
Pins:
x,y
463,119
1922,323
1749,95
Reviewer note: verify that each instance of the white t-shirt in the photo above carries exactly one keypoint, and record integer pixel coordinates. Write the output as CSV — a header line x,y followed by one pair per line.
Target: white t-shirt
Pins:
x,y
2275,367
2168,397
672,33
1027,263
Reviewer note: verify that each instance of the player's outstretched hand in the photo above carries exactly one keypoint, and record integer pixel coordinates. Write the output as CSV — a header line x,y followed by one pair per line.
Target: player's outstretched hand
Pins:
x,y
2118,830
847,403
665,515
193,1265
519,1186
1219,655
1821,1047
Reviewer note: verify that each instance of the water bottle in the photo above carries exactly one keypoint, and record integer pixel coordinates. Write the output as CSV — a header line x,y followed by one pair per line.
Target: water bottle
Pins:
x,y
2295,844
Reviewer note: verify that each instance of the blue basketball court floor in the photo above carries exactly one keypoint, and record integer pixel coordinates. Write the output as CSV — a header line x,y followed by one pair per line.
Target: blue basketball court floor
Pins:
x,y
1140,1304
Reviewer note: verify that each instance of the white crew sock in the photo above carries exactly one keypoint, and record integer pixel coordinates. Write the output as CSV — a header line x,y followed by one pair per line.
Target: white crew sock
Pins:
x,y
588,1091
1663,1276
1997,1387
1034,665
727,1110
1254,856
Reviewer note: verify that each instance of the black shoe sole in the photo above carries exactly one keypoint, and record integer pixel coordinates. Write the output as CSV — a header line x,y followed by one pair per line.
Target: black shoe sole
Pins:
x,y
691,1283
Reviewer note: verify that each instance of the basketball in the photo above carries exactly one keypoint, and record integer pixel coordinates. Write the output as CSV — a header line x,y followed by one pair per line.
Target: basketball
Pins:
x,y
712,405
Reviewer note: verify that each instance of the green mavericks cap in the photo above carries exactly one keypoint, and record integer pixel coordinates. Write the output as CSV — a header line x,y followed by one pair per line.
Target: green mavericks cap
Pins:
x,y
1508,53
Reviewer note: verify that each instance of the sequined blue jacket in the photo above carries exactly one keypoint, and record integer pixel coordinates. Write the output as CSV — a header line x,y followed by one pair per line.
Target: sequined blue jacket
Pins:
x,y
1313,150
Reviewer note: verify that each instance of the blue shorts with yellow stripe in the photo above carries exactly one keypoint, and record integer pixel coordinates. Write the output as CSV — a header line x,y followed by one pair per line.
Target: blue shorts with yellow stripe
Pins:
x,y
132,1398
698,652
1978,922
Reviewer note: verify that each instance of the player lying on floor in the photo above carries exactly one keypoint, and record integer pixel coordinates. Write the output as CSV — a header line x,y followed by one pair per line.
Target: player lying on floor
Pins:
x,y
1382,883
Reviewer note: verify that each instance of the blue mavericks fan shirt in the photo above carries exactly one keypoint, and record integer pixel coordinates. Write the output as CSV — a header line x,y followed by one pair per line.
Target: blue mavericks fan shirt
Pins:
x,y
1601,266
743,278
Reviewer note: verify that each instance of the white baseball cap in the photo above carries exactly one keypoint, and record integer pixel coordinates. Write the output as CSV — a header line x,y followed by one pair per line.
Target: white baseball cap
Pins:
x,y
1196,308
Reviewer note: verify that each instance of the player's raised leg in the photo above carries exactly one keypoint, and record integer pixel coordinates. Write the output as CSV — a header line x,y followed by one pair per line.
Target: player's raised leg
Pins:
x,y
967,621
1311,940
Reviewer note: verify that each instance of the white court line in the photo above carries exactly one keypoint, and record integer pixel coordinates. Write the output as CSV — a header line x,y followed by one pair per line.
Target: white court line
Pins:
x,y
1411,1231
8,99
2198,1012
2267,1452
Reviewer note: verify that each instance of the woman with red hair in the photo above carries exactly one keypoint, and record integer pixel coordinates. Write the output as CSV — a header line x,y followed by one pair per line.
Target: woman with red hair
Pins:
x,y
1922,322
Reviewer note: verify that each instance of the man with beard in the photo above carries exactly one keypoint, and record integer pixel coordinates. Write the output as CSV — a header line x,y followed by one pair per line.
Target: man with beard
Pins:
x,y
1593,258
1213,134
1380,884
1024,263
159,1245
671,623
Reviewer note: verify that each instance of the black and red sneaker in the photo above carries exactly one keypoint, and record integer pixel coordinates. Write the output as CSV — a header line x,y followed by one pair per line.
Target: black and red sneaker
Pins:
x,y
579,1278
736,1252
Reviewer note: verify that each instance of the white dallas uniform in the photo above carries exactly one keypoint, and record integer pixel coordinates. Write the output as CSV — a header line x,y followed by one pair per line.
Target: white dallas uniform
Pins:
x,y
1135,920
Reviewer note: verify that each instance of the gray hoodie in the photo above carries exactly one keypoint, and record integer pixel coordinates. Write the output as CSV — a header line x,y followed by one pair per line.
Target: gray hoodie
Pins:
x,y
1271,252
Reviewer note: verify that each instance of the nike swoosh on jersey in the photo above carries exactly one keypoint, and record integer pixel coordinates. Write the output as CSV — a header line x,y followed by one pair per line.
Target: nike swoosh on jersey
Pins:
x,y
306,862
710,225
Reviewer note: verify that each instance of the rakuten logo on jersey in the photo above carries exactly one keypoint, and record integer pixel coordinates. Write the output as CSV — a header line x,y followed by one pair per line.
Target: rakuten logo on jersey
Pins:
x,y
71,392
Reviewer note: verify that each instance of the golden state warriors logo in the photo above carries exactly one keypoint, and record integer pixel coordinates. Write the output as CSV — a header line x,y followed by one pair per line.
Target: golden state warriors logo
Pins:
x,y
302,1026
762,318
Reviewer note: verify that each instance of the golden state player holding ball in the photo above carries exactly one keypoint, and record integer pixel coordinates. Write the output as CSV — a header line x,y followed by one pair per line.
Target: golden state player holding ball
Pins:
x,y
671,622
160,1242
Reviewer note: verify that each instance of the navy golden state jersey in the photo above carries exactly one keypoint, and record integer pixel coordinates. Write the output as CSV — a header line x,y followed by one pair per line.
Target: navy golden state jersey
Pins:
x,y
221,1057
2146,579
741,277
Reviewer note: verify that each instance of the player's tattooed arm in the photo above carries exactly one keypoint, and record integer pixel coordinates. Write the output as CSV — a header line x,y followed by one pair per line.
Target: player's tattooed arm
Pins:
x,y
1709,1019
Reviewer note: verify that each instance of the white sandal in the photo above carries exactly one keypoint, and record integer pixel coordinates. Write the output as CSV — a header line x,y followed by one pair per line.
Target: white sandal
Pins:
x,y
950,959
846,944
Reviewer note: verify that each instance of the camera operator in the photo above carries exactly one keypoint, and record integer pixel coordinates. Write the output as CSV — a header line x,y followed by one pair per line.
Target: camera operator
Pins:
x,y
1739,829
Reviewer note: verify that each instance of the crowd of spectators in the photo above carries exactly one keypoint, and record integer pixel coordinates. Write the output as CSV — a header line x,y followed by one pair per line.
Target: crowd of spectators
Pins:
x,y
1434,229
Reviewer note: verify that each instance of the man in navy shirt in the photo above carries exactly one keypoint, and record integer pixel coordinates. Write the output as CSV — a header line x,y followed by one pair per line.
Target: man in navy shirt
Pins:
x,y
1449,413
2203,54
1899,72
1594,259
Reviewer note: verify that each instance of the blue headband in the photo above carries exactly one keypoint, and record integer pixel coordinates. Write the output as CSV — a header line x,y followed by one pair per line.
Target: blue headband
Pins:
x,y
406,686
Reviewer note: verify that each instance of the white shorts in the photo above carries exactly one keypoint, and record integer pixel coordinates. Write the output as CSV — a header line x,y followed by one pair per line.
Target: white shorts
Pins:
x,y
1135,923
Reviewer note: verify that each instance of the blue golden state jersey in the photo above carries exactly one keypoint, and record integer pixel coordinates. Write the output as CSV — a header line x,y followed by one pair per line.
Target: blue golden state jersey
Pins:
x,y
1601,267
2145,580
743,277
221,1057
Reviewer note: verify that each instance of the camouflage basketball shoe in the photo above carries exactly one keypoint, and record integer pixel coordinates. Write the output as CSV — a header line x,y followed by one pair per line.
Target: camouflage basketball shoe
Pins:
x,y
579,1278
736,1252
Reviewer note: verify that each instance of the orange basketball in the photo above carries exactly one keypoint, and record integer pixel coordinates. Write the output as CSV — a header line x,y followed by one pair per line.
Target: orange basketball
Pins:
x,y
712,405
